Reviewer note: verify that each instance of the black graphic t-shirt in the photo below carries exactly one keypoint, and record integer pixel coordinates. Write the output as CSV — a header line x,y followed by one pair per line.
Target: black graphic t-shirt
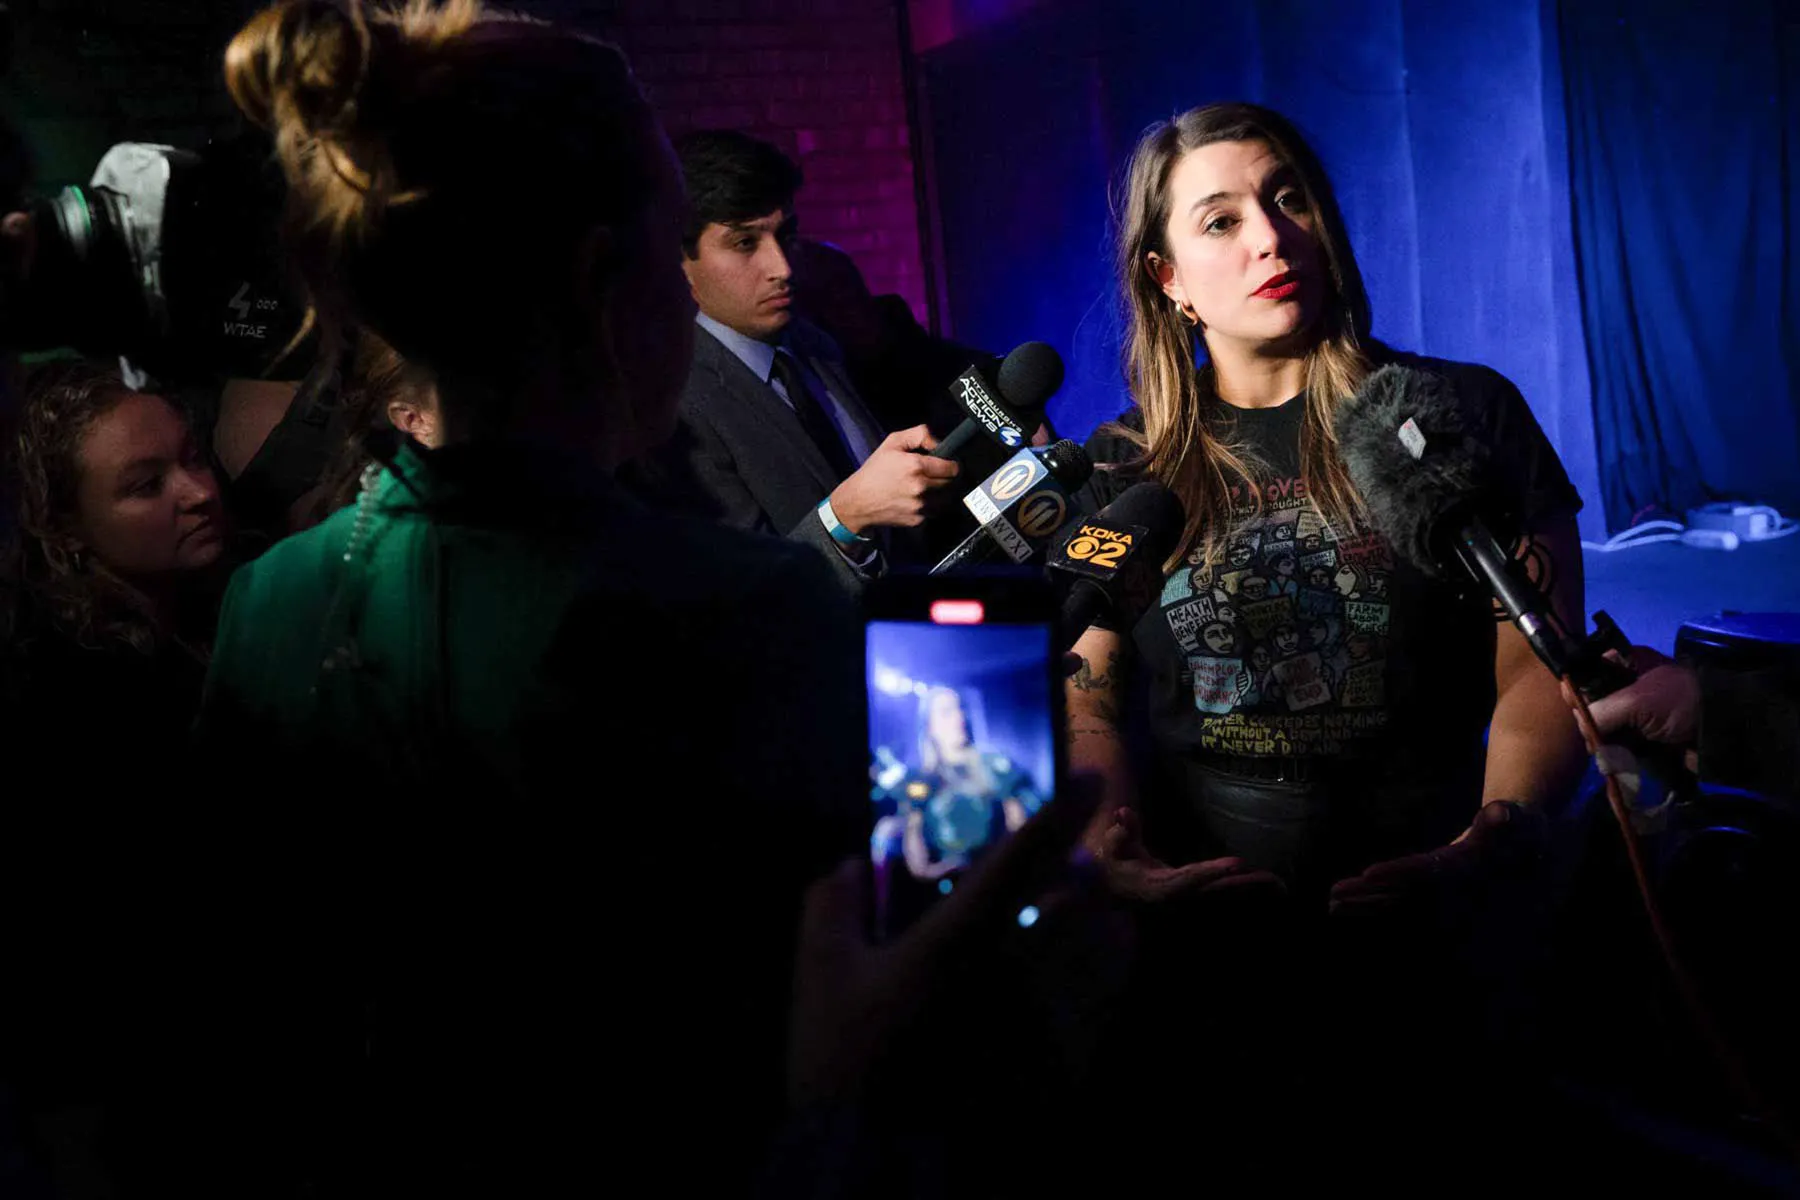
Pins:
x,y
1282,645
1311,641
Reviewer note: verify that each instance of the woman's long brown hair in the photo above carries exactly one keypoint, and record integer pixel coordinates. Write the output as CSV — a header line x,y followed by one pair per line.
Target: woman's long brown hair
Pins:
x,y
1180,448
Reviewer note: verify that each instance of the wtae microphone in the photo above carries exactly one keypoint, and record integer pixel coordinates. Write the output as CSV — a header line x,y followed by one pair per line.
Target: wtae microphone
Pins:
x,y
1021,506
1114,558
1027,379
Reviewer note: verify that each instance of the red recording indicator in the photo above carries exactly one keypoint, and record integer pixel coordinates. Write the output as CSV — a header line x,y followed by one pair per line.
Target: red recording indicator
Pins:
x,y
958,612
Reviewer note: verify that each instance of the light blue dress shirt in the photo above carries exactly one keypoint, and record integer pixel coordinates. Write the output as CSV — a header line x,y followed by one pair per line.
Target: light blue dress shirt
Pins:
x,y
760,358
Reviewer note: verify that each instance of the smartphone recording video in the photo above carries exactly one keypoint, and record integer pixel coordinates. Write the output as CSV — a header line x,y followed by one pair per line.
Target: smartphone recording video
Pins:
x,y
963,724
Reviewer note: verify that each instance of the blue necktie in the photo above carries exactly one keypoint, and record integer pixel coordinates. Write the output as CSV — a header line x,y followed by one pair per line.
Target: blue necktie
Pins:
x,y
813,418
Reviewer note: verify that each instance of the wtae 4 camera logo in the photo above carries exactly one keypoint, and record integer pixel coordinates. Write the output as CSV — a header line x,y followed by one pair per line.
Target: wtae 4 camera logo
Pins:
x,y
245,304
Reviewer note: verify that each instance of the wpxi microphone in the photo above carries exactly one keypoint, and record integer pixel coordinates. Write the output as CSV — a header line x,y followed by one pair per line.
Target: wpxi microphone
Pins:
x,y
1021,506
1027,379
1114,558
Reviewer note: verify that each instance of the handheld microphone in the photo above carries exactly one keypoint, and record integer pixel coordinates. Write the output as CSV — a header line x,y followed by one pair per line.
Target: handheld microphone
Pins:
x,y
1114,558
1027,379
1021,506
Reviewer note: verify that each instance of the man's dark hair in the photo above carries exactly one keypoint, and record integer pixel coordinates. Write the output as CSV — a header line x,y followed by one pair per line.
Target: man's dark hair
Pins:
x,y
733,177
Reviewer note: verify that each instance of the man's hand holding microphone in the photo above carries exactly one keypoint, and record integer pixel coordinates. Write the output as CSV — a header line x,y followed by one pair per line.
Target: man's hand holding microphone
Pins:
x,y
893,489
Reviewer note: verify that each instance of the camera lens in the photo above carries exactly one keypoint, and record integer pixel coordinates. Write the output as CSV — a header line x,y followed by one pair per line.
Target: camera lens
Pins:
x,y
83,289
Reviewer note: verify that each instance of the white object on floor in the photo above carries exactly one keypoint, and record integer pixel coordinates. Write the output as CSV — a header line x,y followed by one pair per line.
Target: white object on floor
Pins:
x,y
1710,539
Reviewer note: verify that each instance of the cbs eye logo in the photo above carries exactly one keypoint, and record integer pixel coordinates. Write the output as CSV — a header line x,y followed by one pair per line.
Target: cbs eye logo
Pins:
x,y
1098,547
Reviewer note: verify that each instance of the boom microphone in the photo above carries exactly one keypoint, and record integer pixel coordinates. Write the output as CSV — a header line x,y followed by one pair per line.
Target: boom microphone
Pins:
x,y
1115,558
1027,379
1021,506
1426,483
1429,491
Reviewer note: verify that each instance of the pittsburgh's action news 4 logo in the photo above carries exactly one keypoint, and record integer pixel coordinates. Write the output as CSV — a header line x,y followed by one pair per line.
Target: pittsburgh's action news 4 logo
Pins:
x,y
1011,437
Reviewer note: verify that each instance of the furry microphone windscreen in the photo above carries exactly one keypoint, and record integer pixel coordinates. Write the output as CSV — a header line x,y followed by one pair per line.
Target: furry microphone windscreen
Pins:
x,y
1407,447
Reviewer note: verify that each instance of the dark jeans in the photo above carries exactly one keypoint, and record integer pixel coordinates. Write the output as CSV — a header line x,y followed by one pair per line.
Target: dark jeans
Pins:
x,y
1300,1051
1346,816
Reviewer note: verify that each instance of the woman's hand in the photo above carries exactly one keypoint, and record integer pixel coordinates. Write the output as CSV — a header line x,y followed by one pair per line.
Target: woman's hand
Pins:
x,y
1133,873
1504,838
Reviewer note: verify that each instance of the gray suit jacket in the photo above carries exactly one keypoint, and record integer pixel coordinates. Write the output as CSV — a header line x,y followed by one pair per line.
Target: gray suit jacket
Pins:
x,y
745,451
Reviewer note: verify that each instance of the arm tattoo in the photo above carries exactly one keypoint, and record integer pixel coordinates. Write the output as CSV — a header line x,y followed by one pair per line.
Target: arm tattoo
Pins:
x,y
1103,686
1539,565
1085,680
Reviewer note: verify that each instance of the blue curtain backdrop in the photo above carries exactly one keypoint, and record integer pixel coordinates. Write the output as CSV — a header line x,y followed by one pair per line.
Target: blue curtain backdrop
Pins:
x,y
1682,127
1442,125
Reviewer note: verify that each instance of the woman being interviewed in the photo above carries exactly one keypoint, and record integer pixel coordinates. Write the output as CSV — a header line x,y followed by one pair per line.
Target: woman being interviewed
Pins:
x,y
452,691
1317,705
1299,748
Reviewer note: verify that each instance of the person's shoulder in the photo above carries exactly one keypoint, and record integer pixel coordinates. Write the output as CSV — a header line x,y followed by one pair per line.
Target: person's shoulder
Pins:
x,y
703,363
1112,441
811,341
306,551
685,563
1475,384
679,604
296,570
716,381
1004,770
1499,415
750,560
1117,458
36,648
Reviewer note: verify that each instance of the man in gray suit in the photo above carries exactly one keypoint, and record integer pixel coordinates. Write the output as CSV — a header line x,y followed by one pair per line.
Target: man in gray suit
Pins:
x,y
773,436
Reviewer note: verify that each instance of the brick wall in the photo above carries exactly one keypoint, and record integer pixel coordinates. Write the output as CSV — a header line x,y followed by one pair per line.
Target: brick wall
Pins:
x,y
820,78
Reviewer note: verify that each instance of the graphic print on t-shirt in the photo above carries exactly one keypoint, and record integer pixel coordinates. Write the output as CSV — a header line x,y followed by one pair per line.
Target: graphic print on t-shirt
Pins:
x,y
1286,636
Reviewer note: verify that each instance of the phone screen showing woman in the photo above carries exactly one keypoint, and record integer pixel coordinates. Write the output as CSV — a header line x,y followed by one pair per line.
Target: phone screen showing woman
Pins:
x,y
962,742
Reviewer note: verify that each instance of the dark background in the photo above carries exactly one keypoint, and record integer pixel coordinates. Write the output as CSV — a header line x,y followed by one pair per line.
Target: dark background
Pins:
x,y
1593,196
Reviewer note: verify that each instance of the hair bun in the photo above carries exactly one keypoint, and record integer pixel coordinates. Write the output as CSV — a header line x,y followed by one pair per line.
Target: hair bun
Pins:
x,y
300,64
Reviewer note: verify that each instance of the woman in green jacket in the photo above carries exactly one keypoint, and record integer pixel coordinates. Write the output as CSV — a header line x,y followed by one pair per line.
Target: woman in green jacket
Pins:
x,y
522,782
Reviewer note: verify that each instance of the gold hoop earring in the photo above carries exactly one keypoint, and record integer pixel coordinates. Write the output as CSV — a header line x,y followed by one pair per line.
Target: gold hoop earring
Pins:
x,y
1188,314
